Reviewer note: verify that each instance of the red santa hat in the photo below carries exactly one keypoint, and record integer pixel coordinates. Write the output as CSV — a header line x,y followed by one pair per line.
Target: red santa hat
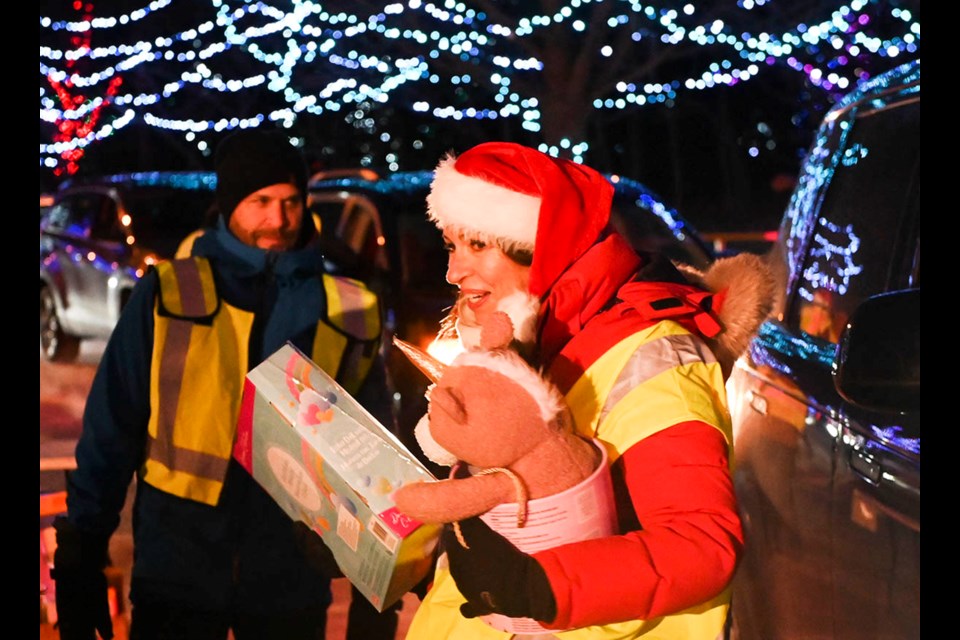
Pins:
x,y
522,199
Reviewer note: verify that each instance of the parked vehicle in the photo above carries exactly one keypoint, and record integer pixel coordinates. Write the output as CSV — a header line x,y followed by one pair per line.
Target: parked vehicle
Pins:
x,y
376,229
826,402
96,240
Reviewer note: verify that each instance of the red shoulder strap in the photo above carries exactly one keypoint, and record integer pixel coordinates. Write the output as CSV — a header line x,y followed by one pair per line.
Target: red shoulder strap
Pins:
x,y
639,305
681,302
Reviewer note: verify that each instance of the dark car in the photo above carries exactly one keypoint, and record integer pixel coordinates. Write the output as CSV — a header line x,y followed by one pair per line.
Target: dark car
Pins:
x,y
826,401
96,240
376,229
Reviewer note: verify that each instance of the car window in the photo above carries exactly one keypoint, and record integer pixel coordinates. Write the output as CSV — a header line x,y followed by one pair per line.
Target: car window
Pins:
x,y
326,213
162,216
351,234
106,226
57,217
361,230
847,259
423,257
77,214
647,232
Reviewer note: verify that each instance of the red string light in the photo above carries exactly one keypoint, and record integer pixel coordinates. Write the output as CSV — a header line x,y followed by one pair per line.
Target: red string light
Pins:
x,y
72,127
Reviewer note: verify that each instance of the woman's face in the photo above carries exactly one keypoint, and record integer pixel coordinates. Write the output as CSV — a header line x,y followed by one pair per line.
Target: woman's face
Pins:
x,y
484,274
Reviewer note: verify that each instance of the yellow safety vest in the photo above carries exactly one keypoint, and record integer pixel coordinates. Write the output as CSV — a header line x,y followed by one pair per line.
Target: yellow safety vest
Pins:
x,y
619,416
200,362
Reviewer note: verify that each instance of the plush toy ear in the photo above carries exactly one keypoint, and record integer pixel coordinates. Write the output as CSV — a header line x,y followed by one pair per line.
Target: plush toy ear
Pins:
x,y
523,309
450,401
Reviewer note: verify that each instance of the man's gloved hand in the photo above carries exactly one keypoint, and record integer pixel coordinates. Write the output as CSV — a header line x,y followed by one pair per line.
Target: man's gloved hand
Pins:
x,y
496,577
316,552
83,608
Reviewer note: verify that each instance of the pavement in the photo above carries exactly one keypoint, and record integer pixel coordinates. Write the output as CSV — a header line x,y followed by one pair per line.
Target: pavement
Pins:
x,y
63,389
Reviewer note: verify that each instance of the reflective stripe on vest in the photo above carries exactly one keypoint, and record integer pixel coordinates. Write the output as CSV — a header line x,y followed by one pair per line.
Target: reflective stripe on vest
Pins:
x,y
199,365
195,297
653,358
198,347
353,325
655,378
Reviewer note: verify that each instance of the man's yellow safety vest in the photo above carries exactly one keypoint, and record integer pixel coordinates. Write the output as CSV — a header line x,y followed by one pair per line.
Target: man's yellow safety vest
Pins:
x,y
200,363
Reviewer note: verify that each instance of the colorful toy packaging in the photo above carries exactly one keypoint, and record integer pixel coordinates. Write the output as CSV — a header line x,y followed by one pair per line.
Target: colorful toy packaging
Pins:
x,y
328,463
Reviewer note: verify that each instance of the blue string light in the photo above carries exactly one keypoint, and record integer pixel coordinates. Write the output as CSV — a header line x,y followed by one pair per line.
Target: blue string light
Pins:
x,y
363,68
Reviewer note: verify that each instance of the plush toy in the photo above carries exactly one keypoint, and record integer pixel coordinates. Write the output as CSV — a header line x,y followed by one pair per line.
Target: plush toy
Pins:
x,y
490,410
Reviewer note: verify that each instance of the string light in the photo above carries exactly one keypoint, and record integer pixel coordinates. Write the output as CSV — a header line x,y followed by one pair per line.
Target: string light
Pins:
x,y
311,61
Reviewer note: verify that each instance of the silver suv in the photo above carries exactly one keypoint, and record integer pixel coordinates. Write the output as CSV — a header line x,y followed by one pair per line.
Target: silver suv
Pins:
x,y
97,239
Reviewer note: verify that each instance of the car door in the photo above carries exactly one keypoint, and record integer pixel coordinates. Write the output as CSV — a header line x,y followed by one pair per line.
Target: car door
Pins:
x,y
351,234
829,492
875,523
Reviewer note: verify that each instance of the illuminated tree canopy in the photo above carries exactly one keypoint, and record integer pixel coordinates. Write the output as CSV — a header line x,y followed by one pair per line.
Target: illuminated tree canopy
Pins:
x,y
553,72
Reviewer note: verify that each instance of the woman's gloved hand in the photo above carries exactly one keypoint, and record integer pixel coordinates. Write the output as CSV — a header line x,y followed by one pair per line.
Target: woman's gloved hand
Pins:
x,y
496,577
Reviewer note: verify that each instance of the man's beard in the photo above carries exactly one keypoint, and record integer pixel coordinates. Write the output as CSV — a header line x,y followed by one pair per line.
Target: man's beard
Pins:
x,y
522,309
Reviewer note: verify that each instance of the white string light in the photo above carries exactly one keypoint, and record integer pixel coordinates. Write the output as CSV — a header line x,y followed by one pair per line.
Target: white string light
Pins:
x,y
314,60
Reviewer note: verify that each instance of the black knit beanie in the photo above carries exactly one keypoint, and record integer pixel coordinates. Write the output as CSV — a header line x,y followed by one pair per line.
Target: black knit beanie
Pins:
x,y
251,159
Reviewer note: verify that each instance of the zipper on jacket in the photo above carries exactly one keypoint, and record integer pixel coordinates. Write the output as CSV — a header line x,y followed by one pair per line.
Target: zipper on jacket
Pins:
x,y
261,311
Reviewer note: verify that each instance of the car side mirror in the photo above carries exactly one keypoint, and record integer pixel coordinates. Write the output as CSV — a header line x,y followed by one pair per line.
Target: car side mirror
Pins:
x,y
878,357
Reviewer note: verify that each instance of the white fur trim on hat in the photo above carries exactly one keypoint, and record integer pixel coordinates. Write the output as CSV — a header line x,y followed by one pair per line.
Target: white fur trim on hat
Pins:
x,y
510,364
468,203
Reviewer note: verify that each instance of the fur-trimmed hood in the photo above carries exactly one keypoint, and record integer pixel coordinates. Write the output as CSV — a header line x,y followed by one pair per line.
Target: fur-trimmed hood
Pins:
x,y
750,290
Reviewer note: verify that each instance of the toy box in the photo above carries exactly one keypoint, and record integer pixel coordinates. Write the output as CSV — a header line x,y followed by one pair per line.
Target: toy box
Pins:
x,y
329,463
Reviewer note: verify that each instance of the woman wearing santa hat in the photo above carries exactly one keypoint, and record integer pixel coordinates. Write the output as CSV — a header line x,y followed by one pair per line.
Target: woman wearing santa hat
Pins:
x,y
640,350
